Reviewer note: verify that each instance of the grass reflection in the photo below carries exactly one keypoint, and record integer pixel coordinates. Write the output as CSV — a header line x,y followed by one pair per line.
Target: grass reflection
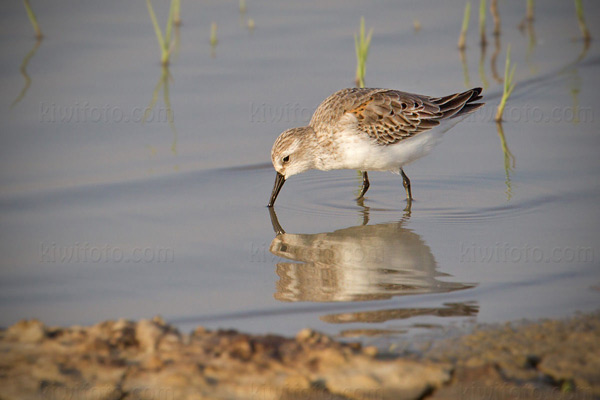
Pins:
x,y
163,84
465,67
494,58
23,69
482,76
495,17
509,160
527,28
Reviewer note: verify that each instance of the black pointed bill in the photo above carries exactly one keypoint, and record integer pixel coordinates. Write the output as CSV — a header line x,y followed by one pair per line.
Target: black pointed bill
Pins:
x,y
279,181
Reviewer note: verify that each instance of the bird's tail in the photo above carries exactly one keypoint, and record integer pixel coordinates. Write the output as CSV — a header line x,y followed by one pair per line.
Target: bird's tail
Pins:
x,y
459,104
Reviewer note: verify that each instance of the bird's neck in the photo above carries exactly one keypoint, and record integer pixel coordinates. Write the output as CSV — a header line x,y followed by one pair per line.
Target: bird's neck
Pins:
x,y
322,149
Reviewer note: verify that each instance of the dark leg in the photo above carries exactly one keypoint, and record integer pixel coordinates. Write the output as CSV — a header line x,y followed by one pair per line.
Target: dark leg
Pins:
x,y
365,185
406,183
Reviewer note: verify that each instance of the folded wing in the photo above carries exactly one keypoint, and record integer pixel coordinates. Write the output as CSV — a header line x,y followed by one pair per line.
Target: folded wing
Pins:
x,y
389,116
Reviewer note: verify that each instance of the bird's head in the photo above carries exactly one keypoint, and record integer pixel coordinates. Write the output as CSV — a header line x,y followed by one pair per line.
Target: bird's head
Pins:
x,y
292,153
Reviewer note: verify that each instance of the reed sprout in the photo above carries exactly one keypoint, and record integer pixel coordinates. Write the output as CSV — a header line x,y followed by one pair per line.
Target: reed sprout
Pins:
x,y
509,85
176,41
213,40
530,9
164,42
361,46
462,39
417,25
177,13
36,27
245,22
582,25
482,20
213,34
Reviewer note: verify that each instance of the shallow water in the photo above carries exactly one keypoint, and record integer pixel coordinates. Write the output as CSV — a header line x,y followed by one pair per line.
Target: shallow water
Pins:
x,y
103,216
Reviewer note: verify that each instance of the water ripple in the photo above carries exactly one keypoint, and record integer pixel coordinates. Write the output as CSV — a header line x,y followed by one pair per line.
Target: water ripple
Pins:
x,y
445,200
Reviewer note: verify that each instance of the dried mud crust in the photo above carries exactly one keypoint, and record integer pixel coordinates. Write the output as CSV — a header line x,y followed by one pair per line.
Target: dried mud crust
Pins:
x,y
150,359
551,359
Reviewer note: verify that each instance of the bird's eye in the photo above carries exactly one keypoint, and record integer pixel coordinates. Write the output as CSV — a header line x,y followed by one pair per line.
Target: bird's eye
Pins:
x,y
285,159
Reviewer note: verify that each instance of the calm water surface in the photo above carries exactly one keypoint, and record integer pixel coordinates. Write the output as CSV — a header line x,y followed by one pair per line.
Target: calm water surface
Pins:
x,y
104,217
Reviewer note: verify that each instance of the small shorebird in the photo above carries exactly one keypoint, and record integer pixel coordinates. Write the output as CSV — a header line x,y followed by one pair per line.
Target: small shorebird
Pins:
x,y
368,130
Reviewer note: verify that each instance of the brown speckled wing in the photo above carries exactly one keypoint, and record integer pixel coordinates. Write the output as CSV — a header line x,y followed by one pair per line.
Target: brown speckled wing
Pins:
x,y
389,116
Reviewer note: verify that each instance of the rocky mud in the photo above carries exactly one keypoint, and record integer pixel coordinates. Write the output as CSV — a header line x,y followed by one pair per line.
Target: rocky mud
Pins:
x,y
150,359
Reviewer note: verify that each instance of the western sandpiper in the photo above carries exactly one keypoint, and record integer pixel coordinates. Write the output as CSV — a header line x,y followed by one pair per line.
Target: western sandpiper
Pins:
x,y
368,130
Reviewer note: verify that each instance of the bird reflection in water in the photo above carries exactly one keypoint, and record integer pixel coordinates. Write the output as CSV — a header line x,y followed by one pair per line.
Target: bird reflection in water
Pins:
x,y
361,263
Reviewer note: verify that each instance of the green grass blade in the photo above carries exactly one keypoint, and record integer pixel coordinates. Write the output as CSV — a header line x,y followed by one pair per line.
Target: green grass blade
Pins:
x,y
213,34
177,13
508,86
362,28
157,30
357,51
466,17
581,19
506,69
33,20
361,47
169,27
368,42
530,10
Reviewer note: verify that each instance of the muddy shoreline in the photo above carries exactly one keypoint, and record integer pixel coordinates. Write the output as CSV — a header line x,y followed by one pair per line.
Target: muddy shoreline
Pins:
x,y
150,359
